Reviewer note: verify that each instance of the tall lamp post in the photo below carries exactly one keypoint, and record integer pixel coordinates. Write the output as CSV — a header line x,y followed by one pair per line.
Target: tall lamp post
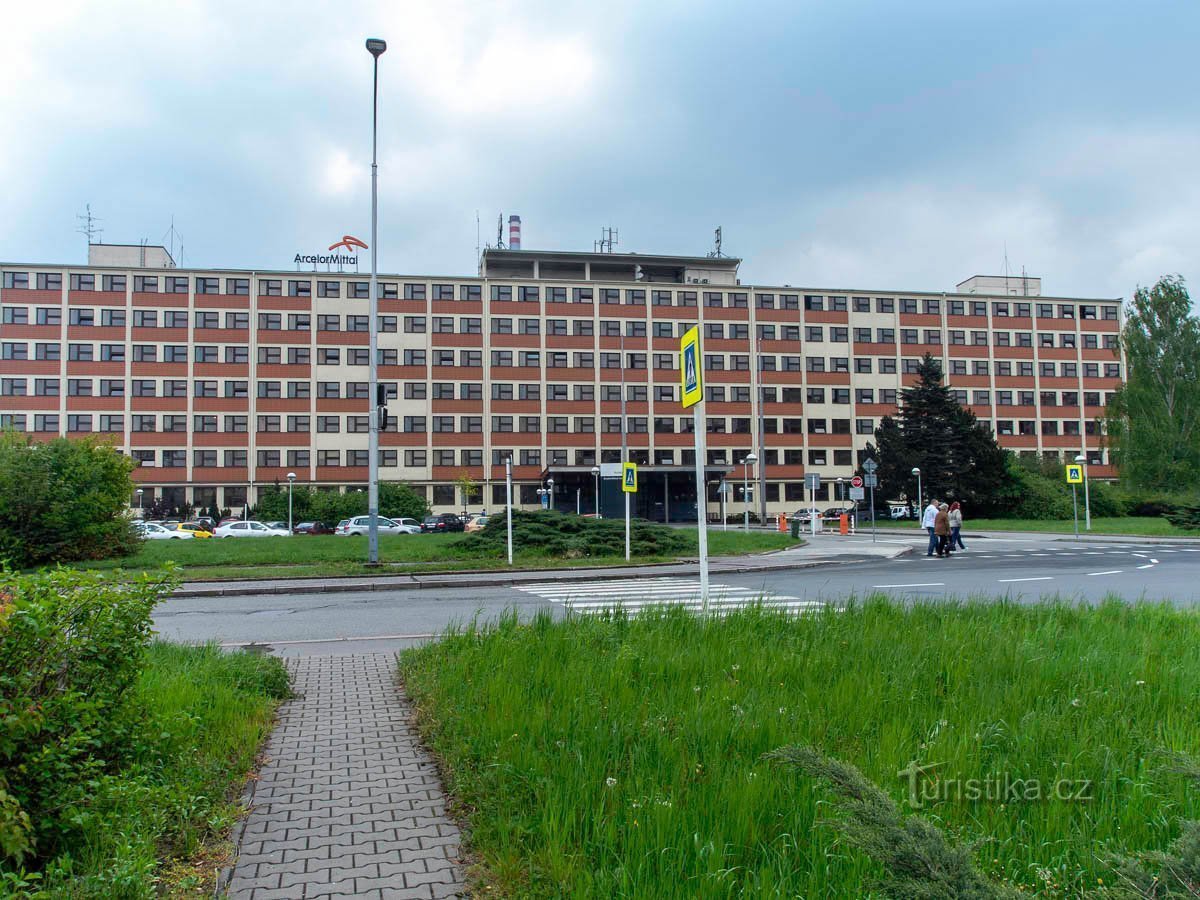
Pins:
x,y
840,491
1087,500
291,477
916,471
596,488
750,460
375,47
141,514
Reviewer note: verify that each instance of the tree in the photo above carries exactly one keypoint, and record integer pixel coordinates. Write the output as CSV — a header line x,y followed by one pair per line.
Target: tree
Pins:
x,y
468,489
63,500
1154,418
958,456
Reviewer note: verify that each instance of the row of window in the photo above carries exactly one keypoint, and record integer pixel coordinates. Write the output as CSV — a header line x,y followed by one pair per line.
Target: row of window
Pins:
x,y
303,287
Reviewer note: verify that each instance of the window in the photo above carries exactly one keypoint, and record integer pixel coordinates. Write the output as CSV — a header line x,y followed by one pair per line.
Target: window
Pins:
x,y
176,284
299,288
329,289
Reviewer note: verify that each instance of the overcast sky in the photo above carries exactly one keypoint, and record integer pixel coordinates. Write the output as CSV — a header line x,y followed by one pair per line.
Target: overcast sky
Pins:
x,y
885,145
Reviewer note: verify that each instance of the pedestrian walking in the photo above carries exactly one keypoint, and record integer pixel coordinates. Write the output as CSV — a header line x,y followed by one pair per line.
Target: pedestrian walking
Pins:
x,y
927,522
941,528
955,518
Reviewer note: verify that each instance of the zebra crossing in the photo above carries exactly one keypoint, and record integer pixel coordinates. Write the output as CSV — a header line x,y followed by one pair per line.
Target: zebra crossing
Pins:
x,y
637,594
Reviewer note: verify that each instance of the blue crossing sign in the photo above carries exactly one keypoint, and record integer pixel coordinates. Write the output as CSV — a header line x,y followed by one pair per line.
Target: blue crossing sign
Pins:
x,y
689,366
629,478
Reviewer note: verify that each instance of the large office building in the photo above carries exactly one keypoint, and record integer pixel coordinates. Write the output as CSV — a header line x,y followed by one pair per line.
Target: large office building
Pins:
x,y
220,382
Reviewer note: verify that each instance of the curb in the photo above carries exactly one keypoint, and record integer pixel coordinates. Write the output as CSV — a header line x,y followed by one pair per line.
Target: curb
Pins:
x,y
310,586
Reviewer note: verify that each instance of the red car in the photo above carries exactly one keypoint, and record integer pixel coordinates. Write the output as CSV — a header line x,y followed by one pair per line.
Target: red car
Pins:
x,y
312,528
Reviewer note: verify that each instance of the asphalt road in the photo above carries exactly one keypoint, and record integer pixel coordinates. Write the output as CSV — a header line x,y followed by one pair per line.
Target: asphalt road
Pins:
x,y
1022,568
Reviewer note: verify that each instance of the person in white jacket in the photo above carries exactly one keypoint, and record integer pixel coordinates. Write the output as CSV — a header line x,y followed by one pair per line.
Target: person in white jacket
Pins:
x,y
928,520
956,526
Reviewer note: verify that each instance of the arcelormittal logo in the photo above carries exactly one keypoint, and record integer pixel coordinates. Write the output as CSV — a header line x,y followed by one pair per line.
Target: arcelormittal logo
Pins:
x,y
349,243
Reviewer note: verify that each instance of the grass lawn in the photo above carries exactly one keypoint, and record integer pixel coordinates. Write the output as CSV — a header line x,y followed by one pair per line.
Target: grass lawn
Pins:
x,y
157,827
1150,527
329,555
605,757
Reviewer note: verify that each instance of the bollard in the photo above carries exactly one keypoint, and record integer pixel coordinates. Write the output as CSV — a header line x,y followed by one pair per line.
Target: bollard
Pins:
x,y
843,524
783,525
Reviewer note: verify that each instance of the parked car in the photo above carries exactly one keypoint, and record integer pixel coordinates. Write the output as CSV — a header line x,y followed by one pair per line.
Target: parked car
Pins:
x,y
195,529
227,520
442,523
152,532
898,512
801,515
207,521
408,526
249,529
362,524
312,528
477,524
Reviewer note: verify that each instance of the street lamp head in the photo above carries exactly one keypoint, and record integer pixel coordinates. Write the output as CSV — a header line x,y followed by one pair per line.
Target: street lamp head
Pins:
x,y
291,476
916,470
550,483
750,459
140,491
376,46
1080,458
595,470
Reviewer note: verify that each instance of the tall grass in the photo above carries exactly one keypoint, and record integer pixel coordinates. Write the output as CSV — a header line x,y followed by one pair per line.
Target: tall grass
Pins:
x,y
206,714
603,757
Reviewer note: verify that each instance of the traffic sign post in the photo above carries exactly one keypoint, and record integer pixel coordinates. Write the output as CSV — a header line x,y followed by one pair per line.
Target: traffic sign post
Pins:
x,y
629,486
692,383
869,466
1075,477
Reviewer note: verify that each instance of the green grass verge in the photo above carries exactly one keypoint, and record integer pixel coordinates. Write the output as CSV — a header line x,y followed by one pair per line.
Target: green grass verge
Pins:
x,y
329,555
1132,525
601,757
150,824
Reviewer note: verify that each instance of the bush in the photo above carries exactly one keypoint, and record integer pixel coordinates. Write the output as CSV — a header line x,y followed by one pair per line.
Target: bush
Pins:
x,y
63,500
1042,498
396,500
73,646
555,535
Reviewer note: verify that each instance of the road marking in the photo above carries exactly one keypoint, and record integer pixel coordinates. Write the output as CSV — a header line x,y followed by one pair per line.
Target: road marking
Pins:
x,y
1038,578
919,584
1109,572
1147,566
1154,561
634,595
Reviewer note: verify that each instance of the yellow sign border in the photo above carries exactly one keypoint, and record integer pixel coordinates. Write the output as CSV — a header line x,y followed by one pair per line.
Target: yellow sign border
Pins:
x,y
1076,470
625,468
691,338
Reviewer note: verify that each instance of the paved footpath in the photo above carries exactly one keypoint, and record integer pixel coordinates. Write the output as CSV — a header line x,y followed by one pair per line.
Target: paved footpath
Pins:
x,y
348,804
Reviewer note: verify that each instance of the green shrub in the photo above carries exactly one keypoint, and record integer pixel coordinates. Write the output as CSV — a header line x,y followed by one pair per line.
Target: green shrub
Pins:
x,y
1107,500
559,536
73,646
62,500
1043,498
396,500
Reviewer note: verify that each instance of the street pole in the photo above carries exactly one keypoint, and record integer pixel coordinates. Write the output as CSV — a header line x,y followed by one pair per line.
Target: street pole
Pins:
x,y
626,525
375,47
1075,510
872,489
701,503
291,477
508,504
141,513
1087,499
579,501
596,489
722,488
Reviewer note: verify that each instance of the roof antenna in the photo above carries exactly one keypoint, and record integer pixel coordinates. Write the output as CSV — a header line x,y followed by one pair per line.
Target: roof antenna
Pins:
x,y
609,238
89,226
500,232
172,234
478,253
716,252
1006,290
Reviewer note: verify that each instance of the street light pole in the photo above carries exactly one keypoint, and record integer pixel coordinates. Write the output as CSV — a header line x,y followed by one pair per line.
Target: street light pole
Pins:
x,y
291,477
596,488
375,47
750,460
916,471
141,514
1087,499
508,504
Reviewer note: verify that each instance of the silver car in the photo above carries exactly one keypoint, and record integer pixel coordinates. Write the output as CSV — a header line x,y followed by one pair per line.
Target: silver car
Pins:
x,y
361,524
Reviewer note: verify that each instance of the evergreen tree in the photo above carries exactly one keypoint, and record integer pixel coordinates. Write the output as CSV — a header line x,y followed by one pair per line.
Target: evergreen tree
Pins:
x,y
958,456
1154,418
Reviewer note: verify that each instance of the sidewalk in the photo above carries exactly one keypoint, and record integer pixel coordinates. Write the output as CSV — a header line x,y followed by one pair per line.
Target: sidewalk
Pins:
x,y
820,550
348,804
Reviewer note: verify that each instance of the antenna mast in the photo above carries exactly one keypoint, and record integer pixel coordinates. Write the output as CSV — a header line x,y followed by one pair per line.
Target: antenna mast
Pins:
x,y
172,234
89,225
500,232
716,252
609,238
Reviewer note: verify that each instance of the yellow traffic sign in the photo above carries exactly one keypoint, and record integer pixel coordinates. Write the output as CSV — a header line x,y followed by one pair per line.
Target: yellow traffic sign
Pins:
x,y
629,478
1074,474
689,367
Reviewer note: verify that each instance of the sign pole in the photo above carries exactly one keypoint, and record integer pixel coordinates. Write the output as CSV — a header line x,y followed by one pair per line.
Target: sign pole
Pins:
x,y
872,514
626,527
701,507
1075,510
508,505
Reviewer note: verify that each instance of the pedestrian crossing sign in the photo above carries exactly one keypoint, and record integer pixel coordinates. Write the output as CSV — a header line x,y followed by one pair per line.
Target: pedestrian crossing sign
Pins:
x,y
689,365
629,478
1074,474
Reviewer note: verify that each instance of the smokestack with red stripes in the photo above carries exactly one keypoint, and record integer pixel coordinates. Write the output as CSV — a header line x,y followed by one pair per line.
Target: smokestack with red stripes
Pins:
x,y
514,232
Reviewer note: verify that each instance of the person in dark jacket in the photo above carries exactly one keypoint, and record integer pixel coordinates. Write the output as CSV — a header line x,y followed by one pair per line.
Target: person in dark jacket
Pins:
x,y
941,528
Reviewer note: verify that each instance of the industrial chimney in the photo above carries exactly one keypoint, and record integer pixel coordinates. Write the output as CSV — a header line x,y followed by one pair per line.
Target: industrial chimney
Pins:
x,y
514,232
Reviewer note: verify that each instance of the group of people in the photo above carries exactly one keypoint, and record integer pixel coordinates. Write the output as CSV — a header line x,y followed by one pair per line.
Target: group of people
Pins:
x,y
943,522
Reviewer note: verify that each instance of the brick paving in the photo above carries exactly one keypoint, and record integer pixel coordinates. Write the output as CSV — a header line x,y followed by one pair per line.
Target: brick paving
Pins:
x,y
348,804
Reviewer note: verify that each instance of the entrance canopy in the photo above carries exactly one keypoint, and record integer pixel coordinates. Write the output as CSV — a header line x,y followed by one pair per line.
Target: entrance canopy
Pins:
x,y
665,493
